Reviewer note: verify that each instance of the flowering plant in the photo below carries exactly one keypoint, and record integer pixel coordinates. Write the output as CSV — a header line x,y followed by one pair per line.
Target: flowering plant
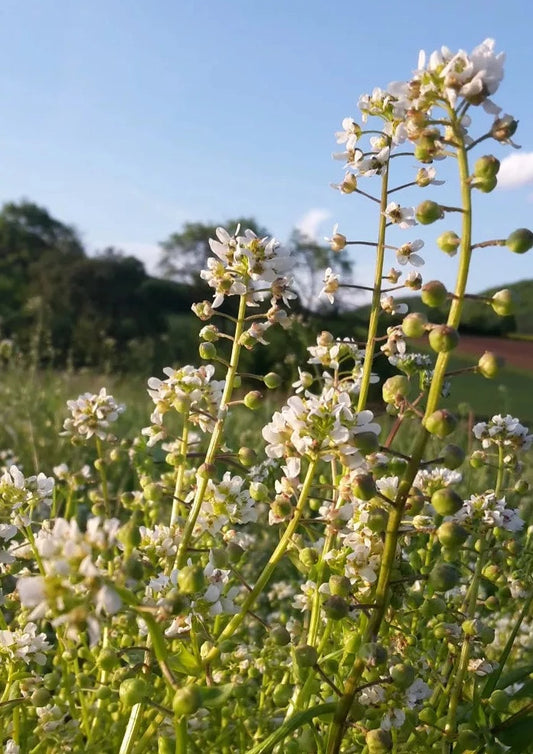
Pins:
x,y
339,588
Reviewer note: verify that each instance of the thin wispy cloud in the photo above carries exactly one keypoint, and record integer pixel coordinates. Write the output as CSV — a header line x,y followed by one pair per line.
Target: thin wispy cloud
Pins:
x,y
309,225
516,170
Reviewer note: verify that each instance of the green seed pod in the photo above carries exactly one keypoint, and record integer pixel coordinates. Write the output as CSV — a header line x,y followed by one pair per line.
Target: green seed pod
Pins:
x,y
281,694
502,303
247,457
308,557
40,697
499,700
428,212
489,365
378,741
467,742
377,520
363,486
521,487
280,636
415,502
281,507
339,585
434,294
414,325
107,660
272,380
449,242
441,423
443,338
427,715
336,607
395,388
258,491
443,577
253,399
486,166
207,351
403,675
134,690
503,128
366,442
520,241
191,579
452,456
485,185
186,701
446,501
451,534
305,656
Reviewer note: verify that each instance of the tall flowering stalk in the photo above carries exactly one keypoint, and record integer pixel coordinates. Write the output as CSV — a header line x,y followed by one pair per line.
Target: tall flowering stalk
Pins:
x,y
336,582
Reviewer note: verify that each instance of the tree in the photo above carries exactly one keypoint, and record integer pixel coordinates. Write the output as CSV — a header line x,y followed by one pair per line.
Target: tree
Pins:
x,y
185,253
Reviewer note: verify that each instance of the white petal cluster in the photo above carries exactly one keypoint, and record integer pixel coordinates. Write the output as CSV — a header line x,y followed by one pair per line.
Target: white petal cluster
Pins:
x,y
491,511
92,414
503,431
24,644
318,426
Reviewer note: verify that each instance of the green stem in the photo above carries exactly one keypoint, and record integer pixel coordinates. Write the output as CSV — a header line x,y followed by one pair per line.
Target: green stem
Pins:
x,y
297,721
132,729
376,295
181,473
336,732
216,437
103,475
276,556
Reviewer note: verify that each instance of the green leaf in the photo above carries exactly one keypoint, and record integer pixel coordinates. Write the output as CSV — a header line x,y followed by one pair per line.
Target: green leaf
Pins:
x,y
183,661
214,696
518,735
514,676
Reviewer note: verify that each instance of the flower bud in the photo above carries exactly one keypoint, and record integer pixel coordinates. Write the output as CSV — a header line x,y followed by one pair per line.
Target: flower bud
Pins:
x,y
133,690
415,502
281,507
502,302
441,423
486,167
423,178
40,697
449,242
414,325
377,520
446,501
281,694
520,240
443,338
337,242
207,351
210,333
349,184
434,293
258,491
503,128
451,534
272,380
428,212
444,576
499,700
489,365
252,400
395,388
452,456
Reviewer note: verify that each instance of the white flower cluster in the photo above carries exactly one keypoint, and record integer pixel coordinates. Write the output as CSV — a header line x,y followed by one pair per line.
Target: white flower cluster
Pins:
x,y
318,426
246,265
18,492
503,431
186,390
91,415
227,501
490,511
24,644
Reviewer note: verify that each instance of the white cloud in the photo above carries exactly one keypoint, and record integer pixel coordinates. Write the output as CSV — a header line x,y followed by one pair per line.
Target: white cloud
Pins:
x,y
516,170
309,224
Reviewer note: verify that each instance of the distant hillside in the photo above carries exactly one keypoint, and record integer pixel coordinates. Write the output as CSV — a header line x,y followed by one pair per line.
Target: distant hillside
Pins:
x,y
479,318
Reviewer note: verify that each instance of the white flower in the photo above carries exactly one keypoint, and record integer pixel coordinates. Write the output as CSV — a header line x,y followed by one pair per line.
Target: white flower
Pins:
x,y
402,216
331,285
25,644
389,306
92,414
337,241
406,253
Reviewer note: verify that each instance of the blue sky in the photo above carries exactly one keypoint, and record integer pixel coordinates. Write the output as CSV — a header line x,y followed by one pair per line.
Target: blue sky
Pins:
x,y
128,117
